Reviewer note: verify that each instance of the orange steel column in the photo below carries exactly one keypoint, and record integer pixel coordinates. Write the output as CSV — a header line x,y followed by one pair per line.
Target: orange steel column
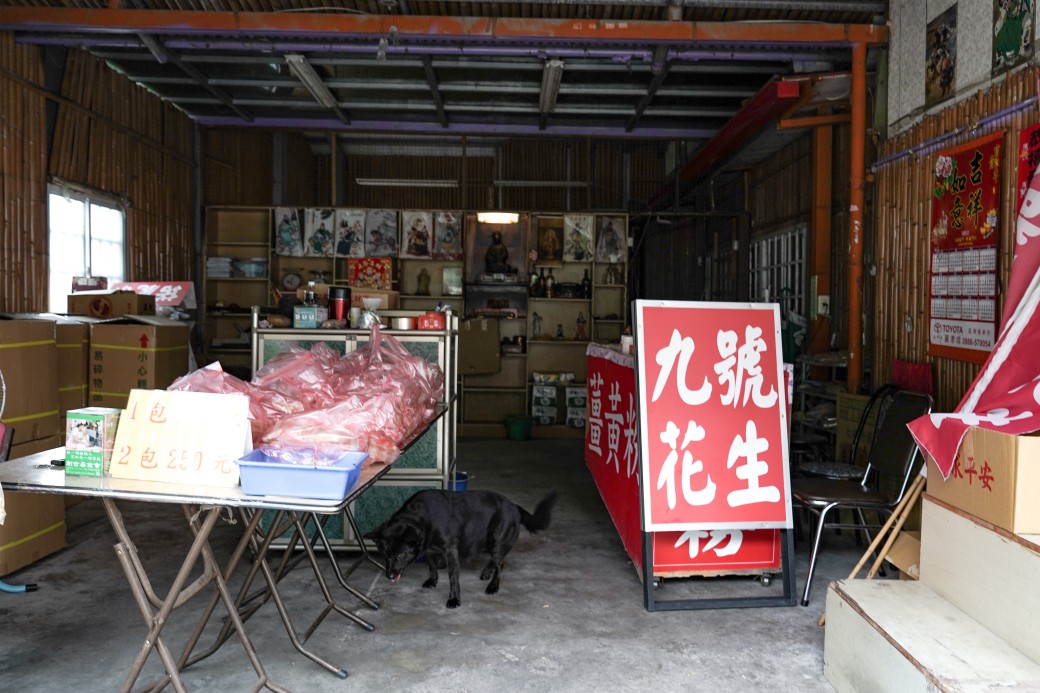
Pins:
x,y
820,233
856,182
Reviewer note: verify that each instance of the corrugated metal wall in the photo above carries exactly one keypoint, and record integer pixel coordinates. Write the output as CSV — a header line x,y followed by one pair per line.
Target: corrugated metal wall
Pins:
x,y
904,189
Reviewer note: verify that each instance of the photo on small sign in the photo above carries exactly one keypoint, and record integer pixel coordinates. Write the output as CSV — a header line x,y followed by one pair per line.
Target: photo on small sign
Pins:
x,y
381,233
288,239
318,230
350,233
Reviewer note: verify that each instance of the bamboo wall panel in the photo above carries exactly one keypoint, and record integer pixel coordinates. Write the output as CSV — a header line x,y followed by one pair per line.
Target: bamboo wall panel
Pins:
x,y
903,211
23,184
238,167
117,138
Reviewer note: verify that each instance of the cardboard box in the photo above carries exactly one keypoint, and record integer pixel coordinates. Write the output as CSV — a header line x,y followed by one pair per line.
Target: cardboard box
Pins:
x,y
134,352
387,299
35,524
543,416
905,554
479,347
543,395
576,396
995,477
90,434
110,304
29,364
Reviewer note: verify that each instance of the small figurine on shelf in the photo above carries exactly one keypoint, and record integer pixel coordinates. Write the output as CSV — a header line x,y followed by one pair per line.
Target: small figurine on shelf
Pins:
x,y
423,283
613,275
536,326
579,332
559,330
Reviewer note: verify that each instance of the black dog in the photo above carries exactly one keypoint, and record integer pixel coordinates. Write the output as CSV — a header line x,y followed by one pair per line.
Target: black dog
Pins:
x,y
445,526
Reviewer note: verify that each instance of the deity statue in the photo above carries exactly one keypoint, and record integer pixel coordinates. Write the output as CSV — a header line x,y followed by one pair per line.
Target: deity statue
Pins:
x,y
496,259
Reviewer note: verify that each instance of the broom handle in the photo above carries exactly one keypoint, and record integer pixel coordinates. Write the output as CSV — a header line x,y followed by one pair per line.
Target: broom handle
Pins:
x,y
911,497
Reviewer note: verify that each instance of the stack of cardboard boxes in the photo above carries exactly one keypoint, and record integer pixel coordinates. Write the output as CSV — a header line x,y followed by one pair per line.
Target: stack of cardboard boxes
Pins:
x,y
52,364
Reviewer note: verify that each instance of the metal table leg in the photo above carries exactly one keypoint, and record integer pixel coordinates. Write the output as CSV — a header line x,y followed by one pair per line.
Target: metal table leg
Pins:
x,y
179,593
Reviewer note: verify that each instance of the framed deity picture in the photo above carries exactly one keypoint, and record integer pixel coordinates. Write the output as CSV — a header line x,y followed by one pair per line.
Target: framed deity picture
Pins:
x,y
610,239
577,238
447,236
288,236
381,233
452,278
350,233
317,232
417,235
550,241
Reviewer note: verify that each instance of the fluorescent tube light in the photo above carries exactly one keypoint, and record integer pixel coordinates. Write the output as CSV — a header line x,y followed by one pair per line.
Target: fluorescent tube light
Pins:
x,y
552,73
497,217
408,182
299,66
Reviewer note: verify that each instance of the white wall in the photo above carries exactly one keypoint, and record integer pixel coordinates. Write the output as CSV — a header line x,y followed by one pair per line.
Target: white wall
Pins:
x,y
907,46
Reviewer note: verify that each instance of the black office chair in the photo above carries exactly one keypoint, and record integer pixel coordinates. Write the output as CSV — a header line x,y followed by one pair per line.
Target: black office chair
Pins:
x,y
892,461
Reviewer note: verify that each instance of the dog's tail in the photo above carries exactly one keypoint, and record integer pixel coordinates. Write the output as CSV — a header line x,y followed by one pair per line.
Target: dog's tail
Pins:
x,y
542,514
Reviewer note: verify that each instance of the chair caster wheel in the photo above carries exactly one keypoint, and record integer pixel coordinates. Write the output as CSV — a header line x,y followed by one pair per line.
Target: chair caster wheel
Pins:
x,y
766,580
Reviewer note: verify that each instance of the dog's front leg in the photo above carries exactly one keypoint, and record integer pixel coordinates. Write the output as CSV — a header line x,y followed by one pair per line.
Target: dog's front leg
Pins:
x,y
454,598
431,581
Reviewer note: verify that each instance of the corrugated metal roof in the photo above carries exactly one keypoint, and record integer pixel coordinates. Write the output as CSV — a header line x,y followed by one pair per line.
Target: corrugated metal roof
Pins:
x,y
646,69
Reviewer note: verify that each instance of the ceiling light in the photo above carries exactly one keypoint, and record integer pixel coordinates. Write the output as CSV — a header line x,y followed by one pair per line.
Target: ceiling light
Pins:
x,y
552,73
497,217
299,66
408,182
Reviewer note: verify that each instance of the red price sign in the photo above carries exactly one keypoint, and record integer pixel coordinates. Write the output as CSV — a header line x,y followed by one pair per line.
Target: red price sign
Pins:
x,y
184,437
713,419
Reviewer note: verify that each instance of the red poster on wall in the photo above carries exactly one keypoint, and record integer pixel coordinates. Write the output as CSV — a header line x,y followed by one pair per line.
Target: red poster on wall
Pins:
x,y
713,419
964,232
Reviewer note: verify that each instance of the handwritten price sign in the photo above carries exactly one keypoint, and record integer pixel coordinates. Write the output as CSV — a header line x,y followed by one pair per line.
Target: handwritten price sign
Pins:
x,y
183,437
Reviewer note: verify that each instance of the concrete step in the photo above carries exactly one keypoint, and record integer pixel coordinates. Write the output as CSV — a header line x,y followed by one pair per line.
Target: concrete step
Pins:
x,y
987,572
899,635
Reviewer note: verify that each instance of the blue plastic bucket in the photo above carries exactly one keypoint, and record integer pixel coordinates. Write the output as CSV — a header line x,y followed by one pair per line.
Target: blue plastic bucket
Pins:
x,y
459,482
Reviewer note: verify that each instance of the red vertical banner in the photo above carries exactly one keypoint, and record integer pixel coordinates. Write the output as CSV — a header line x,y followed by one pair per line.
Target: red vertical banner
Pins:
x,y
713,416
963,244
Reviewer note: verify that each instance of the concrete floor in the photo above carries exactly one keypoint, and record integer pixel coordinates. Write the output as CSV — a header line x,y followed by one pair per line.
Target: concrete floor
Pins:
x,y
569,616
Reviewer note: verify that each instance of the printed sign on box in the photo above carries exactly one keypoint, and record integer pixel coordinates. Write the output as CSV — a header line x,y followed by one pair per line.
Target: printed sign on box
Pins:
x,y
713,419
186,437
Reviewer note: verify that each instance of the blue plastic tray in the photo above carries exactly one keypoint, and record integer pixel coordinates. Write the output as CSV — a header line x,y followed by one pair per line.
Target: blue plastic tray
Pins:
x,y
264,475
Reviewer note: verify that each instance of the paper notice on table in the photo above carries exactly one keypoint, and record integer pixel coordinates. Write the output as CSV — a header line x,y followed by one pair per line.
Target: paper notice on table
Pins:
x,y
182,437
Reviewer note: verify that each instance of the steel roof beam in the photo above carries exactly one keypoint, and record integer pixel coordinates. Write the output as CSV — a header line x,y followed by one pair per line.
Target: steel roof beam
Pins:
x,y
435,94
468,29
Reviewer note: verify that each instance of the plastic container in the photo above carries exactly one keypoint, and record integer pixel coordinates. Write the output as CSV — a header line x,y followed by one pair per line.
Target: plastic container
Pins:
x,y
273,473
339,302
459,482
518,427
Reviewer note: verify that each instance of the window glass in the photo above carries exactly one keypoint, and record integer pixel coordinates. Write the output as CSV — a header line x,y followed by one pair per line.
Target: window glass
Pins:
x,y
87,238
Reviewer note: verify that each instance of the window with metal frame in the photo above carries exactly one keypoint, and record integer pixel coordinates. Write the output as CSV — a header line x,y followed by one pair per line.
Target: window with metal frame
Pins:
x,y
87,236
777,265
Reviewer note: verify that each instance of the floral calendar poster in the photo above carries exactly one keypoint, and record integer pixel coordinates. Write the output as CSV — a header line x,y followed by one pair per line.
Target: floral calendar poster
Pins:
x,y
965,226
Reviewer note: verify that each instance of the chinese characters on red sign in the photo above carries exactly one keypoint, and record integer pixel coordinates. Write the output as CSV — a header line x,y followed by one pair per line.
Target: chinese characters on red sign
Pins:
x,y
611,439
963,242
713,431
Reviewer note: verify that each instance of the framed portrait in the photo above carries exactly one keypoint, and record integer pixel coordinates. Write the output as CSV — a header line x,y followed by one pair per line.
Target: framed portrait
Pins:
x,y
317,232
452,279
288,236
549,241
381,233
611,244
417,235
577,237
350,233
447,236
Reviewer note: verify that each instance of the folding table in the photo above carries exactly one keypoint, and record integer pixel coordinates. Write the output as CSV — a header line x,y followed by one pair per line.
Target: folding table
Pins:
x,y
202,507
